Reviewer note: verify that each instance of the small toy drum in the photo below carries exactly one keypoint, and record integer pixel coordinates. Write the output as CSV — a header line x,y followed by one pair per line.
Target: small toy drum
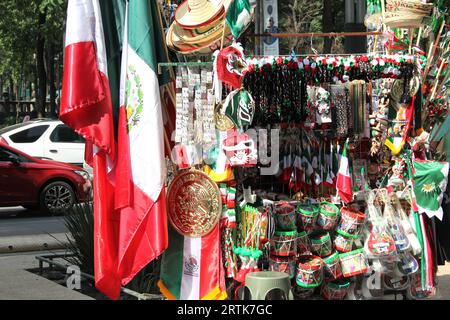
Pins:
x,y
343,244
285,216
353,263
351,222
302,293
284,244
303,244
321,244
332,267
328,216
307,217
309,272
283,264
336,290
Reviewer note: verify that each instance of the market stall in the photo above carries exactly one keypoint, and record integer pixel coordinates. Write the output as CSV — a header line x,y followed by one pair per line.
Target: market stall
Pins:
x,y
316,166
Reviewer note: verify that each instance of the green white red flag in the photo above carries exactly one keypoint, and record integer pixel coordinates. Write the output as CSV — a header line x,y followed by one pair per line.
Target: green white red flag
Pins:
x,y
86,107
140,198
430,183
344,179
239,16
192,268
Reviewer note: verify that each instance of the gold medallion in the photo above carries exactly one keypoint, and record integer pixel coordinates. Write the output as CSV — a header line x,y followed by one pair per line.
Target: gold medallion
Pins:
x,y
194,204
223,123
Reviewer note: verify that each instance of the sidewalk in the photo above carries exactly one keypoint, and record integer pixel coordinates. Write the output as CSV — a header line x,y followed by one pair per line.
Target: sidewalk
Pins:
x,y
18,284
28,243
443,282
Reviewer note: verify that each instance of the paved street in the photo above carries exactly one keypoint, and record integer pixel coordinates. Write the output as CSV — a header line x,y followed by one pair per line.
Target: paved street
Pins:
x,y
25,230
18,222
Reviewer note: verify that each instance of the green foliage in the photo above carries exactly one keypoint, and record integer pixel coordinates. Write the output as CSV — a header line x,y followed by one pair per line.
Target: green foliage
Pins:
x,y
19,31
79,222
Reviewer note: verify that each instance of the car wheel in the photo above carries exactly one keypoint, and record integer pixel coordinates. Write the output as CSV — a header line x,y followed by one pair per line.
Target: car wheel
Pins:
x,y
57,197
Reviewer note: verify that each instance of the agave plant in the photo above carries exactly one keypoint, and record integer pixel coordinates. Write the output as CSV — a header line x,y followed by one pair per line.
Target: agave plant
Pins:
x,y
79,222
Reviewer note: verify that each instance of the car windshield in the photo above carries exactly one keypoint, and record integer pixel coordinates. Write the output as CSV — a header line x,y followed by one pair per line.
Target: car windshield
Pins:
x,y
13,127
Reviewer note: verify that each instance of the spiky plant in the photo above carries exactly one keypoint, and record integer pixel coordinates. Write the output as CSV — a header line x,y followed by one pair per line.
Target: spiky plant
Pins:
x,y
79,222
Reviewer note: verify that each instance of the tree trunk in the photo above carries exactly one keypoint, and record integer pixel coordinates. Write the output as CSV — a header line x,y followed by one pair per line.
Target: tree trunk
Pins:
x,y
40,66
327,24
51,79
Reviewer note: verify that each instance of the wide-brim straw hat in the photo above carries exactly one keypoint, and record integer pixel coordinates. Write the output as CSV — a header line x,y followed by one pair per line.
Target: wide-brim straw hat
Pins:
x,y
206,46
198,13
412,5
200,36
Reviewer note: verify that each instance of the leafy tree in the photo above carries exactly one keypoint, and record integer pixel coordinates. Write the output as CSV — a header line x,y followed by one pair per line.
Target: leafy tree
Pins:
x,y
31,44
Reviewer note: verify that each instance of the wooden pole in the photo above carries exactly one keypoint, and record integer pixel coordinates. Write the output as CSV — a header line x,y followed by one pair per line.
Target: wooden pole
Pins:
x,y
419,36
411,36
437,79
432,51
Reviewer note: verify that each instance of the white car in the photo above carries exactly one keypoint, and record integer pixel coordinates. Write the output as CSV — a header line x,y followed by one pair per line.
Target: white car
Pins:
x,y
48,139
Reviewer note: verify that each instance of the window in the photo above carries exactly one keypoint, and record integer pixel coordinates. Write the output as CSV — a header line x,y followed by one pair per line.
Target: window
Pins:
x,y
6,155
63,134
29,135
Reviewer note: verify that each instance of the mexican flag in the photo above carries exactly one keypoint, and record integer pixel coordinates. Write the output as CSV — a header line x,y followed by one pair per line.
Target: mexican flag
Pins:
x,y
86,100
86,107
430,183
239,16
192,268
140,198
344,179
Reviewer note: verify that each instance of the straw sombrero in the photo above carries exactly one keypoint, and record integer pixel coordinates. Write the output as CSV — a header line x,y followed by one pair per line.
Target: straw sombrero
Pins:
x,y
199,36
198,13
206,47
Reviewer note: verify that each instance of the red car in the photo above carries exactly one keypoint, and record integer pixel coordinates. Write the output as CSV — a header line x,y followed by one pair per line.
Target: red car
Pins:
x,y
30,182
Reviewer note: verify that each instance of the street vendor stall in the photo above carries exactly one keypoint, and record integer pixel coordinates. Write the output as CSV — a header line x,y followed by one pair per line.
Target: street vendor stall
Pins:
x,y
317,166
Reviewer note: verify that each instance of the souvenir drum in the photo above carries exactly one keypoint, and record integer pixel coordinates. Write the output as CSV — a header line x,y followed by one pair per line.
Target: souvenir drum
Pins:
x,y
332,267
307,217
343,244
351,222
309,272
303,244
283,264
336,290
285,216
284,244
328,216
354,263
302,293
321,244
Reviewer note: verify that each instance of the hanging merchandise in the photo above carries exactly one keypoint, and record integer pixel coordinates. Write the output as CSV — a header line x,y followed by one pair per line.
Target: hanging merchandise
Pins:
x,y
323,162
309,272
239,107
192,268
430,183
239,16
194,204
379,243
229,67
407,13
199,27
